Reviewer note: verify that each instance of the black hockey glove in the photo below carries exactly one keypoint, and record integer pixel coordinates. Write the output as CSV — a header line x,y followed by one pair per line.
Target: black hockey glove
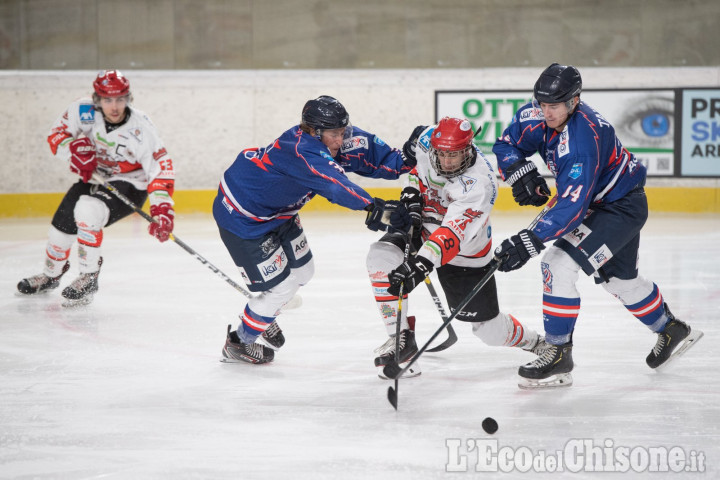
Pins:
x,y
515,251
410,146
387,215
409,274
413,200
528,186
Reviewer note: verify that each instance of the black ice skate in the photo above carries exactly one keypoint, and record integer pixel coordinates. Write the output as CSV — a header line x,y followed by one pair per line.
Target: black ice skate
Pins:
x,y
41,283
408,349
82,290
273,336
235,351
673,341
550,370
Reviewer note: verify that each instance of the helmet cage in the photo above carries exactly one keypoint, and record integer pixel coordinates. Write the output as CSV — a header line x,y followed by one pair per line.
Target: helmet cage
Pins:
x,y
469,154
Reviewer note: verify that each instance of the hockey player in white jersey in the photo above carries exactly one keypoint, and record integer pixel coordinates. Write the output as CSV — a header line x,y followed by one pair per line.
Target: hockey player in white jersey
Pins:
x,y
450,195
102,134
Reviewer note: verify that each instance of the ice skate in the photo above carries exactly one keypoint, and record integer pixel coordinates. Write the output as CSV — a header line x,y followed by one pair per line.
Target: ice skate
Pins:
x,y
550,370
41,283
273,336
235,351
672,342
408,349
82,290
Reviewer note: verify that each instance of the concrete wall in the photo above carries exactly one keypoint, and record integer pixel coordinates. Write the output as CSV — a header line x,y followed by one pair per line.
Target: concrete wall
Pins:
x,y
329,34
207,117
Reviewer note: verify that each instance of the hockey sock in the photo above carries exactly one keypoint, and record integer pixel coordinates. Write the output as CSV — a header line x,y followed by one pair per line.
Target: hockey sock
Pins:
x,y
57,251
560,315
504,331
650,310
252,325
89,242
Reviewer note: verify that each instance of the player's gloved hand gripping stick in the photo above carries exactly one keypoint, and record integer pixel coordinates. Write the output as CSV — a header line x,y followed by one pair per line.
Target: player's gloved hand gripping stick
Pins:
x,y
393,370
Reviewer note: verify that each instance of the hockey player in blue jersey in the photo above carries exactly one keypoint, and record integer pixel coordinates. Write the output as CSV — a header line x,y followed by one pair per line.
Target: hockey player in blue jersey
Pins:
x,y
257,207
596,222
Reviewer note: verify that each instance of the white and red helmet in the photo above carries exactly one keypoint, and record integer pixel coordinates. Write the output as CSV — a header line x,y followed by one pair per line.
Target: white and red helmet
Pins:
x,y
453,135
111,83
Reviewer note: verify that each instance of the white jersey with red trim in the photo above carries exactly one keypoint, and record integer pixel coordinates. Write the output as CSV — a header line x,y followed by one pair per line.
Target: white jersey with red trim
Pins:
x,y
456,212
132,152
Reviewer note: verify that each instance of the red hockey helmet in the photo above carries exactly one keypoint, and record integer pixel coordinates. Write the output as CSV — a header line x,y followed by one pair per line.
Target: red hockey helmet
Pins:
x,y
453,137
111,83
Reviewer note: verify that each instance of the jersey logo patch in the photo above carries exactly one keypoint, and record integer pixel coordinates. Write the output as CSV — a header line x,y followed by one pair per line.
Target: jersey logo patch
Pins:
x,y
424,141
467,182
575,171
564,143
547,278
268,247
300,246
87,113
531,114
138,134
273,266
575,237
378,141
601,256
355,143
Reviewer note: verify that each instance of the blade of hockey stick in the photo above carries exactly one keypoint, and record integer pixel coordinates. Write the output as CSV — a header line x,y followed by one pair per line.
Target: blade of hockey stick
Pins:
x,y
392,397
449,341
452,337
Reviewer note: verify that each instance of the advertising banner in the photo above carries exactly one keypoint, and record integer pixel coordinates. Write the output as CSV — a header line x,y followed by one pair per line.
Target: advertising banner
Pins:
x,y
643,120
701,133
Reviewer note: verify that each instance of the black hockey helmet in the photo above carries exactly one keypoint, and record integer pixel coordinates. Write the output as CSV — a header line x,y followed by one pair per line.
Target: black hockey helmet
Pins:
x,y
325,113
558,84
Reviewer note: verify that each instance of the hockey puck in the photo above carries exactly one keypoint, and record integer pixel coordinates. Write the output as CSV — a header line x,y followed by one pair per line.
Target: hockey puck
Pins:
x,y
489,425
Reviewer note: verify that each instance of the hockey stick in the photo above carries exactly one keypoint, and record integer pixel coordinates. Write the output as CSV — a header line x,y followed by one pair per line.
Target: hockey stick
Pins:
x,y
452,337
394,371
172,237
398,319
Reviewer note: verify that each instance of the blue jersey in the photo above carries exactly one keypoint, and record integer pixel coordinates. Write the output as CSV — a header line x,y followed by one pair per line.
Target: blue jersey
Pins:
x,y
265,187
589,163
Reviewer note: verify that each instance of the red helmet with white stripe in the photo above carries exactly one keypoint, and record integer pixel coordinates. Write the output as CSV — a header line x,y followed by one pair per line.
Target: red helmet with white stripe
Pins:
x,y
111,83
451,148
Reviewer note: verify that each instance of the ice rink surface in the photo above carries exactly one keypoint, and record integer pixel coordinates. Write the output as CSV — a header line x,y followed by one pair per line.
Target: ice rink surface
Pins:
x,y
130,387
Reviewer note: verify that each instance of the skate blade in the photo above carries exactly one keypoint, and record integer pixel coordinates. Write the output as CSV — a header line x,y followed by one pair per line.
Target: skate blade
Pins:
x,y
413,371
688,343
247,361
79,302
556,381
36,294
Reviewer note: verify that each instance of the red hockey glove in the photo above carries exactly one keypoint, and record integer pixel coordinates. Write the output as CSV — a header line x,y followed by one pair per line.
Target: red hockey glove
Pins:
x,y
162,227
82,158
